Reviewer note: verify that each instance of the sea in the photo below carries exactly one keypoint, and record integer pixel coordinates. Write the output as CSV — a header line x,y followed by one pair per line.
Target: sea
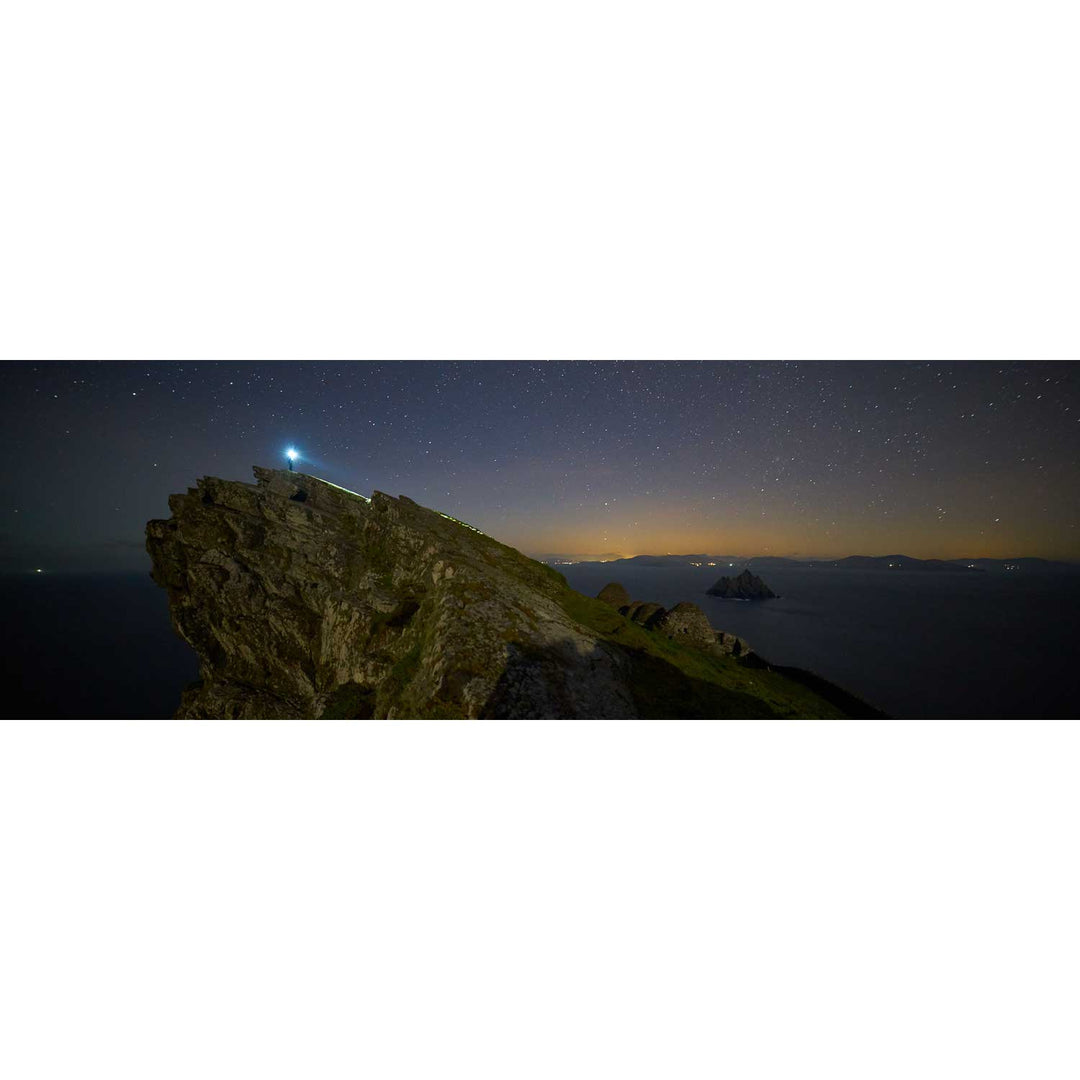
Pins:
x,y
98,646
913,644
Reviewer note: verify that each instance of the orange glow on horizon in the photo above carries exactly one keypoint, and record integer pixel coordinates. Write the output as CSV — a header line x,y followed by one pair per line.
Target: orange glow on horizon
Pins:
x,y
800,543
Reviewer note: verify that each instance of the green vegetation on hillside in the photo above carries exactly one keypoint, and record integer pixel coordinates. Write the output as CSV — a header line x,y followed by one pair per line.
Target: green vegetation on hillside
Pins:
x,y
672,680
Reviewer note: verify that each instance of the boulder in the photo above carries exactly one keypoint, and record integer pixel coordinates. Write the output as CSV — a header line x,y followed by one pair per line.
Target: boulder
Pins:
x,y
334,604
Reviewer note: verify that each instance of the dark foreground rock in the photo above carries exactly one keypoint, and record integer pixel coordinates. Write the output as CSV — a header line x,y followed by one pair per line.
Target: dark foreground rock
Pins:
x,y
745,586
305,600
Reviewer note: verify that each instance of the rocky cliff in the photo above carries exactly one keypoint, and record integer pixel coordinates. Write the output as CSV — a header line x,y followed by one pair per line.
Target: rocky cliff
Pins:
x,y
303,599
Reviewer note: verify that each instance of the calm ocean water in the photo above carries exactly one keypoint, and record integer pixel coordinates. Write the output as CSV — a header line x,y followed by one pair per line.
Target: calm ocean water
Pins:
x,y
90,647
914,644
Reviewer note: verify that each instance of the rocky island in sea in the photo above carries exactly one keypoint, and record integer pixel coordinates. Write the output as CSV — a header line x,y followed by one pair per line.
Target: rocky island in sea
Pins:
x,y
303,599
745,586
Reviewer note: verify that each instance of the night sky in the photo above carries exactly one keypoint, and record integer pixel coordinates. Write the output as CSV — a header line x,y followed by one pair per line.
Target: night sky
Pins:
x,y
574,458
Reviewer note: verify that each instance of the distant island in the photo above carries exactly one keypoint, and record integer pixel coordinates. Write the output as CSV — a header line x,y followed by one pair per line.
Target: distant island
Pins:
x,y
745,586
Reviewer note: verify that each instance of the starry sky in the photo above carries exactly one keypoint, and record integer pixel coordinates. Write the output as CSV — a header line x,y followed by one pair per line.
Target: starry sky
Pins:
x,y
576,458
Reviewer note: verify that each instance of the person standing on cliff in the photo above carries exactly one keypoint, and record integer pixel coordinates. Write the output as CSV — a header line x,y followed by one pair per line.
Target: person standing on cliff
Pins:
x,y
291,455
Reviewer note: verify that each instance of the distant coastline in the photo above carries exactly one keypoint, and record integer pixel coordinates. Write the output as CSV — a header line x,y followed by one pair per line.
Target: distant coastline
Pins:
x,y
884,563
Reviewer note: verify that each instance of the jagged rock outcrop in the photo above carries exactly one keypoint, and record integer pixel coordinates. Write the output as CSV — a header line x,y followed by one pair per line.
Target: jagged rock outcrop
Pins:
x,y
303,599
614,594
745,586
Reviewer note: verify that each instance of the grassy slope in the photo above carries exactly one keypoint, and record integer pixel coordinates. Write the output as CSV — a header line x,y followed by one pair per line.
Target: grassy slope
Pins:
x,y
668,680
671,680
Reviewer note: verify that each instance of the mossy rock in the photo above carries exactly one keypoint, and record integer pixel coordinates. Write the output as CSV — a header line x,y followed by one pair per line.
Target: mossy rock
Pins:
x,y
350,701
